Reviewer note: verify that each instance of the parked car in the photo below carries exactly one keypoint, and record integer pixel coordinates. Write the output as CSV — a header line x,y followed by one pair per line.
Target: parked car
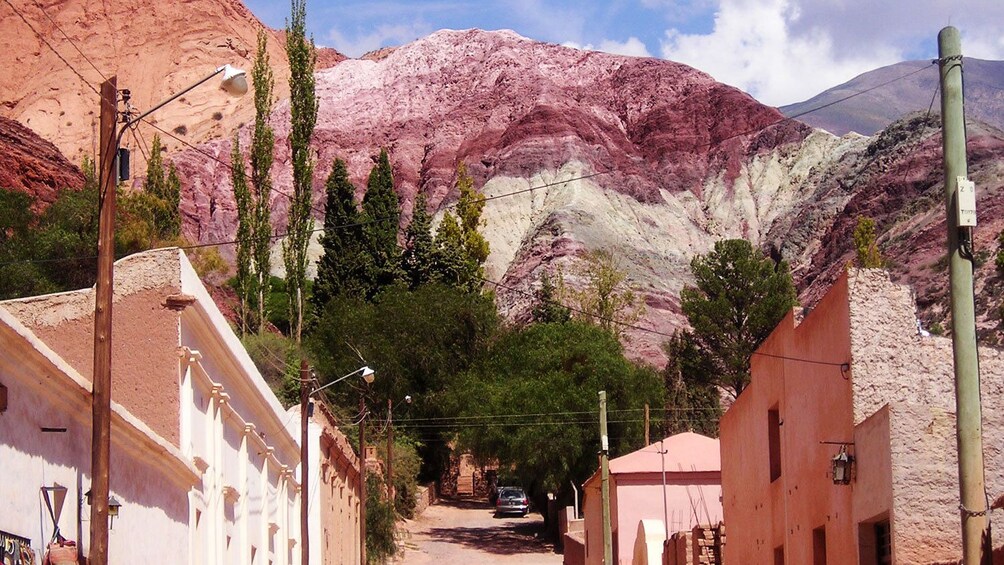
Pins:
x,y
512,500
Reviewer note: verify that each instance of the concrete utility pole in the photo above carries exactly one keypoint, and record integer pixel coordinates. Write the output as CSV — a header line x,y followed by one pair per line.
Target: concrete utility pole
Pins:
x,y
646,424
305,384
608,543
390,454
101,395
961,218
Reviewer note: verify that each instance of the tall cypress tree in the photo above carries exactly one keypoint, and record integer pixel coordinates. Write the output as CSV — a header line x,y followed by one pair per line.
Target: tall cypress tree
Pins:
x,y
339,269
381,215
303,116
262,145
418,260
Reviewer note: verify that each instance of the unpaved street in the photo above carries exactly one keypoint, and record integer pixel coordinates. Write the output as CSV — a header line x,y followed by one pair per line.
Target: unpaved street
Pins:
x,y
465,531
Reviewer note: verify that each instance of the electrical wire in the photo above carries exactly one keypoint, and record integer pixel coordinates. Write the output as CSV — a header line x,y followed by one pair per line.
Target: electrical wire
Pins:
x,y
53,49
74,45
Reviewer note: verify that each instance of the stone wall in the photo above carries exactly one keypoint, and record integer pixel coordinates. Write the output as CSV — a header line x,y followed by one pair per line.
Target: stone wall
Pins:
x,y
895,365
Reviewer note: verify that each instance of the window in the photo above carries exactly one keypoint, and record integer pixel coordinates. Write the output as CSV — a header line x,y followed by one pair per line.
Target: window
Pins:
x,y
819,546
774,442
883,543
779,555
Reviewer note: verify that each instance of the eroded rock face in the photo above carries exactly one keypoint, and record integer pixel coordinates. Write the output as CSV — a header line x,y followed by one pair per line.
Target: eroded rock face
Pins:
x,y
154,48
34,166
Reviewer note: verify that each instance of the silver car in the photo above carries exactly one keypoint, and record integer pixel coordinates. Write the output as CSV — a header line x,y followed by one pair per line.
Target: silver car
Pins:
x,y
512,500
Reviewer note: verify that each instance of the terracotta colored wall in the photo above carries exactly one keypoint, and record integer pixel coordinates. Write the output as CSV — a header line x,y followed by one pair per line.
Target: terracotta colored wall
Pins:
x,y
899,398
797,371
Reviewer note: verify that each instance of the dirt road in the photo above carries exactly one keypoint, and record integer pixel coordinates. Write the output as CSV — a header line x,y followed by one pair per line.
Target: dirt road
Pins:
x,y
465,531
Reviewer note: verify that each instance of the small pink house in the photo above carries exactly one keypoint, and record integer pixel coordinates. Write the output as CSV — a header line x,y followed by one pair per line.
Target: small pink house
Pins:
x,y
690,494
856,377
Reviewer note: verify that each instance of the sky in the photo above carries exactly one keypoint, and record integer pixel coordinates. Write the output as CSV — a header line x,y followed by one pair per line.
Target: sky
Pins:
x,y
779,51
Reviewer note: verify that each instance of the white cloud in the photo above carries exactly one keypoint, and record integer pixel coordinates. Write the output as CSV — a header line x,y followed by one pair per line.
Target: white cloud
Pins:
x,y
362,43
633,47
753,47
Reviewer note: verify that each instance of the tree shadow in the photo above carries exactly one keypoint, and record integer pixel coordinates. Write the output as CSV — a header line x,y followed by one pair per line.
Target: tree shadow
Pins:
x,y
505,538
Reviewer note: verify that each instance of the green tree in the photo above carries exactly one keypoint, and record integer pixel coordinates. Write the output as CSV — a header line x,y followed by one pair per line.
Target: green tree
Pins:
x,y
262,147
470,206
380,521
244,248
381,216
450,259
605,301
419,342
303,116
692,403
866,244
419,257
340,268
547,308
166,189
552,373
739,297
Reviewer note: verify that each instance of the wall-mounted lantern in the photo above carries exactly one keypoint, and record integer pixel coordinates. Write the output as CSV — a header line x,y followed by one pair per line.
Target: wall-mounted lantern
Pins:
x,y
842,464
113,506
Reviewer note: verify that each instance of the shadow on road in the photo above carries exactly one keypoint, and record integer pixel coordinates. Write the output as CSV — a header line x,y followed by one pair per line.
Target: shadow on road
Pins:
x,y
506,537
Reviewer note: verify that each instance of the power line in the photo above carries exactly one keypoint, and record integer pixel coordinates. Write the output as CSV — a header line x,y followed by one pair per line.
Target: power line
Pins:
x,y
96,69
53,49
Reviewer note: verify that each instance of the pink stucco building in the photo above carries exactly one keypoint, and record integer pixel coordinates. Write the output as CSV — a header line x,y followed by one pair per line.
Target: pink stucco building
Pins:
x,y
692,495
203,454
854,374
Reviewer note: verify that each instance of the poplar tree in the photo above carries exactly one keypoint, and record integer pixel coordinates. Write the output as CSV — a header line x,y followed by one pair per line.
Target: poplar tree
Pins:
x,y
167,191
244,279
262,146
460,248
303,116
381,216
339,270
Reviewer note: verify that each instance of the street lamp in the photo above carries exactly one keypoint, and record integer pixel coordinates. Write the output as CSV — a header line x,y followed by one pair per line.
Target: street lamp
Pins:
x,y
390,449
235,83
368,376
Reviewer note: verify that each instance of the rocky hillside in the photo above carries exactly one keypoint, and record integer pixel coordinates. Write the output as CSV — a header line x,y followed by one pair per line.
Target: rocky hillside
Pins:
x,y
34,166
649,159
154,49
888,97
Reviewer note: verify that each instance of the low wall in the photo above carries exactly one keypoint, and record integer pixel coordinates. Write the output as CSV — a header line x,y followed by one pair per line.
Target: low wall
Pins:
x,y
425,497
575,548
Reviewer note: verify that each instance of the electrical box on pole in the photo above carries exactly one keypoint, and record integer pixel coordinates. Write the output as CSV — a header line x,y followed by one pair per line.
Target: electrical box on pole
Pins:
x,y
966,199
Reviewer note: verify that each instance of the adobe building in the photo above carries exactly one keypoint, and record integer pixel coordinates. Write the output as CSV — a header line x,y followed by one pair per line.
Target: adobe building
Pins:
x,y
203,458
333,485
691,495
854,379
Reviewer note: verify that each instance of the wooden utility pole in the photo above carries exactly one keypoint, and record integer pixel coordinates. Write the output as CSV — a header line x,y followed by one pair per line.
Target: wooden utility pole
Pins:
x,y
101,395
608,543
305,385
961,219
362,480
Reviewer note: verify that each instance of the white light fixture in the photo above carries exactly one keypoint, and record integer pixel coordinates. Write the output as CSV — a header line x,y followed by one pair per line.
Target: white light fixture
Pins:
x,y
235,81
368,375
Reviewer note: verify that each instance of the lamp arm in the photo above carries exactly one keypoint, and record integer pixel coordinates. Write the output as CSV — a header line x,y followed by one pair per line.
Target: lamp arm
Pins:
x,y
336,381
174,97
